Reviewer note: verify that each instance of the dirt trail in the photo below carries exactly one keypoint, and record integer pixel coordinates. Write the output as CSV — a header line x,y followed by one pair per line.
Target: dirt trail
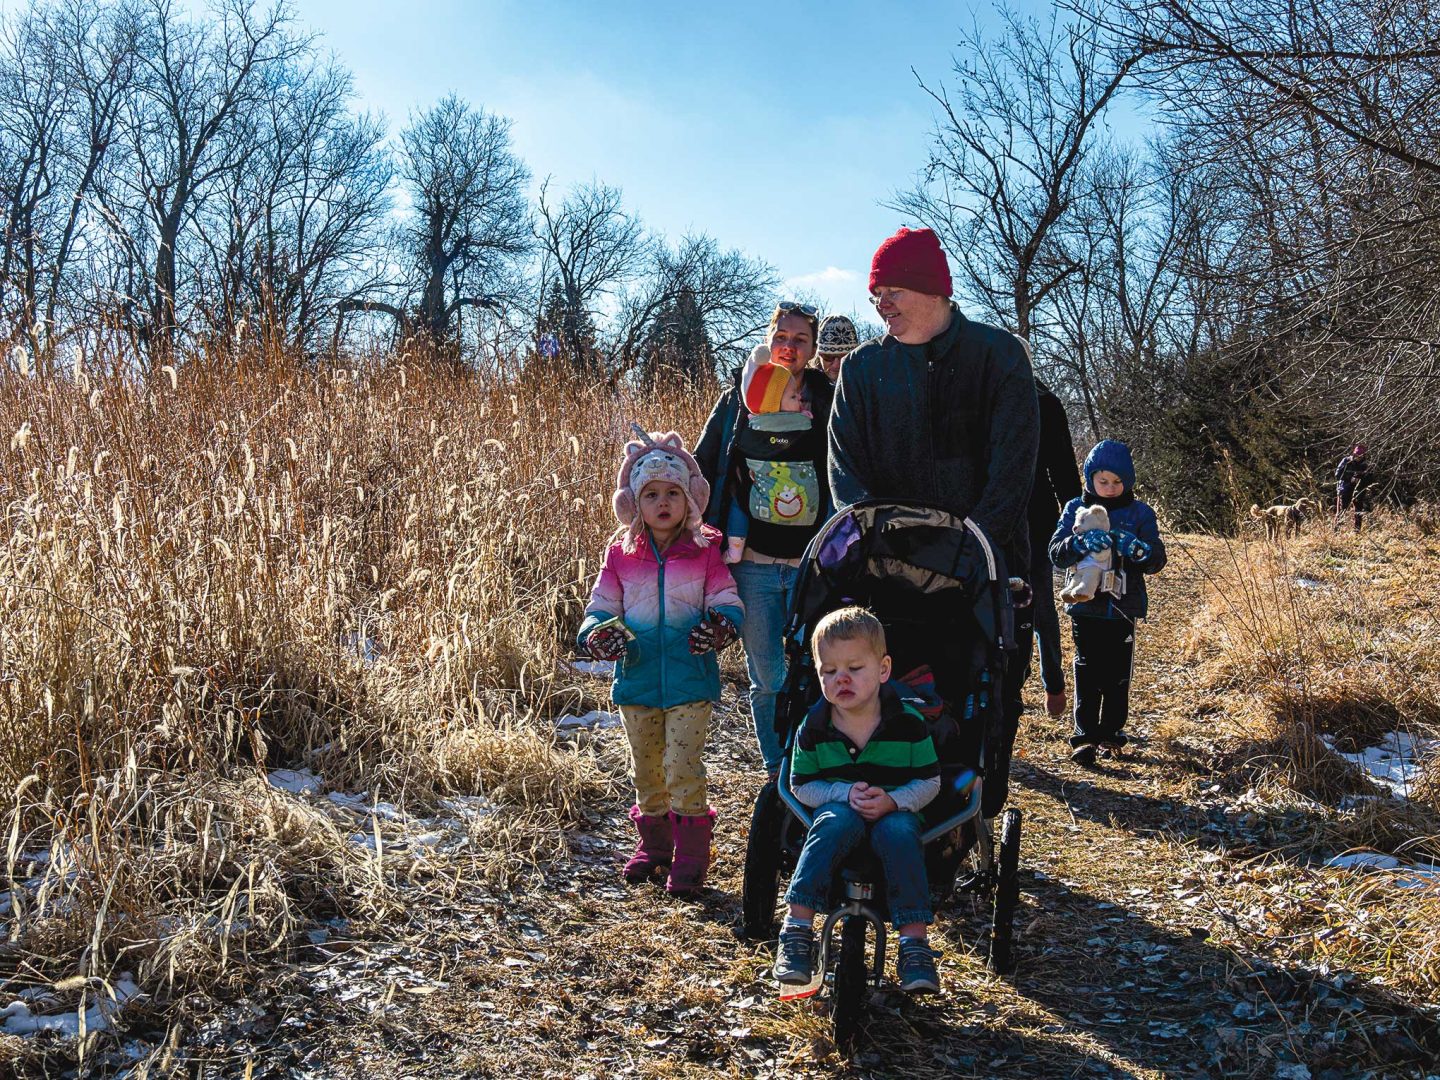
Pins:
x,y
1128,963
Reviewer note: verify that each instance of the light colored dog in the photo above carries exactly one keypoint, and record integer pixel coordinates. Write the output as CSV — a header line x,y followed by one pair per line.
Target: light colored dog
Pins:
x,y
1083,580
1284,519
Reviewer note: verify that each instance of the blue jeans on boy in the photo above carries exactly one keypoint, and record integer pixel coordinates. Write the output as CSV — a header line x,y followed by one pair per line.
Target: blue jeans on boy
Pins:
x,y
766,590
836,831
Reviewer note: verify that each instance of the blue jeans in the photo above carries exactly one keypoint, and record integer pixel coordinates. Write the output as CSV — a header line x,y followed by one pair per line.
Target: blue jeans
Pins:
x,y
766,590
895,839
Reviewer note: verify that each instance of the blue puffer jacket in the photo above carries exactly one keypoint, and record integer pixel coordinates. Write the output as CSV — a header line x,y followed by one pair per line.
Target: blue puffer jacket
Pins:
x,y
1127,515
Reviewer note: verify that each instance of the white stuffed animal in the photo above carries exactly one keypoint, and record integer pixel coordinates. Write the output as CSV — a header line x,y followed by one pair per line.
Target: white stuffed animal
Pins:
x,y
1083,580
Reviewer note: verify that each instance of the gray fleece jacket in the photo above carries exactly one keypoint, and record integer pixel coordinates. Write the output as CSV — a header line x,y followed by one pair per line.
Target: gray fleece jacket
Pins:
x,y
953,423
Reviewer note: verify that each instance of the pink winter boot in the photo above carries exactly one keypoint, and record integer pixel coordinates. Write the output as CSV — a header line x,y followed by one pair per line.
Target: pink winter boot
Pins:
x,y
692,852
656,846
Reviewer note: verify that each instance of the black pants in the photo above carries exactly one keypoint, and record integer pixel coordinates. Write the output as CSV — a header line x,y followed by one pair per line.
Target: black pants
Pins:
x,y
1000,740
1104,654
1357,501
1046,619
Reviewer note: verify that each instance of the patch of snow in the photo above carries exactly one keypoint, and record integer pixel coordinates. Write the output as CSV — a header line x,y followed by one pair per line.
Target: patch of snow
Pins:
x,y
296,781
1366,860
19,1020
592,667
1309,583
1400,874
594,720
362,647
1394,763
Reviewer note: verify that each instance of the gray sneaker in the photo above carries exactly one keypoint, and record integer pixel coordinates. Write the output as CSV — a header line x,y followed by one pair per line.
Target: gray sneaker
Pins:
x,y
795,956
916,967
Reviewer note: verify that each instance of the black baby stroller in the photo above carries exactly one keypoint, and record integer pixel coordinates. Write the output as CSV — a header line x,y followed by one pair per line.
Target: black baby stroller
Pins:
x,y
941,591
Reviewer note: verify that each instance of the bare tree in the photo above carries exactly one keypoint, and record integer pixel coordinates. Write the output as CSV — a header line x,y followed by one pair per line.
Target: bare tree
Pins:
x,y
591,249
64,72
1008,154
294,229
721,293
468,220
195,82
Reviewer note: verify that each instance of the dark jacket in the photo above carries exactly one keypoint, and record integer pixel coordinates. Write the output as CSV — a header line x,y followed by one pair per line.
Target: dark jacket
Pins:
x,y
715,448
953,423
1057,477
1127,514
1353,473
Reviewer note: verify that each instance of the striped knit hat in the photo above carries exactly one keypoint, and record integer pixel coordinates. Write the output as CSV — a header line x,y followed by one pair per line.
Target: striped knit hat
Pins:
x,y
763,383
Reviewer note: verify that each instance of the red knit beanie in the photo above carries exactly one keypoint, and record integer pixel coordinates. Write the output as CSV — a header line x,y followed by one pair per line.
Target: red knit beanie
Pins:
x,y
911,259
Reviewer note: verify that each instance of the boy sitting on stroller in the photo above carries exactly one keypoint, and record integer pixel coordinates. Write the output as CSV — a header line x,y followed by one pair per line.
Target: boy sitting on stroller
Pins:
x,y
864,758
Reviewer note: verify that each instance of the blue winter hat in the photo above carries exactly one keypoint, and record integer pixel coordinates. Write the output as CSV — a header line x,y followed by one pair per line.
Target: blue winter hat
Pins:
x,y
1111,455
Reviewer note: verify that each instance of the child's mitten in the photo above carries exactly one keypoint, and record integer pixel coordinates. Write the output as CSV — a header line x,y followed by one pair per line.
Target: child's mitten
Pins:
x,y
606,643
1132,547
714,632
1091,542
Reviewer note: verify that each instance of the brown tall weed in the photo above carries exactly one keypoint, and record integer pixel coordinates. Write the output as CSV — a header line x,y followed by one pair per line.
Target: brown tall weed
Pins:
x,y
223,570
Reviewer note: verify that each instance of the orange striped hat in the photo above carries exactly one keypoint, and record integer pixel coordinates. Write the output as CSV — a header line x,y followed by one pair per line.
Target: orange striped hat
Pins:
x,y
763,383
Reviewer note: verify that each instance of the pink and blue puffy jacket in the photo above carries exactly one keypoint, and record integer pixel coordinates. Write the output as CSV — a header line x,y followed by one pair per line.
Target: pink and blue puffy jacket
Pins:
x,y
661,599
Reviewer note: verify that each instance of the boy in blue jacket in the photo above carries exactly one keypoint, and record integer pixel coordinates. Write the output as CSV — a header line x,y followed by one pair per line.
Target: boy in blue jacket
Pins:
x,y
1103,628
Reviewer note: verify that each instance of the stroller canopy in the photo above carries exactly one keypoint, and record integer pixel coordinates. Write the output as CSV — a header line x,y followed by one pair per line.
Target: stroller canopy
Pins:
x,y
909,564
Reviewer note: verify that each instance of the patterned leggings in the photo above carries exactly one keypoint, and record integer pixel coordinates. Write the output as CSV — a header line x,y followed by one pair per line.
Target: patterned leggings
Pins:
x,y
668,748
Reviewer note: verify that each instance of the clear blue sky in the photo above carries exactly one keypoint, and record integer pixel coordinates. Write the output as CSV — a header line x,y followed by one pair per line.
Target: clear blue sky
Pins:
x,y
778,128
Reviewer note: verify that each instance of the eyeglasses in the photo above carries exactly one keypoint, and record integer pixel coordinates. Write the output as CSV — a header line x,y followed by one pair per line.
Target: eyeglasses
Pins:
x,y
880,296
787,307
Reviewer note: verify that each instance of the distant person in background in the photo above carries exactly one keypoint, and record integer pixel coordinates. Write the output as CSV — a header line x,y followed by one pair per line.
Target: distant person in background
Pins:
x,y
1353,480
1057,481
836,339
767,572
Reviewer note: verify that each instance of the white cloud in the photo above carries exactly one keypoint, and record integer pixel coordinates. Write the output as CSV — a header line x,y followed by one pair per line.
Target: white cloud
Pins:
x,y
832,277
836,289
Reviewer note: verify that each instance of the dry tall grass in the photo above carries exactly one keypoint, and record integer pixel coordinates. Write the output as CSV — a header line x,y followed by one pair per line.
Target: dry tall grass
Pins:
x,y
221,571
1335,634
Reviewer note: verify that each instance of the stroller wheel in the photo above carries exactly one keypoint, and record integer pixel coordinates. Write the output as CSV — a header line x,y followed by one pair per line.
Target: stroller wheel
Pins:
x,y
848,994
760,887
1007,894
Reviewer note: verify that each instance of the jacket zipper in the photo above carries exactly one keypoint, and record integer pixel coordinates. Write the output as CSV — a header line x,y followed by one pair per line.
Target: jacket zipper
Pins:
x,y
660,645
930,424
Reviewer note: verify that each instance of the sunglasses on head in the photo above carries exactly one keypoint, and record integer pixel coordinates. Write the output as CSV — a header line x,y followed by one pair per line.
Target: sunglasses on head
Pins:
x,y
786,307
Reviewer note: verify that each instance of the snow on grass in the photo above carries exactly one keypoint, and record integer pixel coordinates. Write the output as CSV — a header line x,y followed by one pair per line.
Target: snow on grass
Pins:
x,y
1395,763
1400,874
20,1019
595,719
296,781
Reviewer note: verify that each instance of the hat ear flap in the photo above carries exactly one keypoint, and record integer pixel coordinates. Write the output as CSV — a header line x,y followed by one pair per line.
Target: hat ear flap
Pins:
x,y
699,490
624,504
624,499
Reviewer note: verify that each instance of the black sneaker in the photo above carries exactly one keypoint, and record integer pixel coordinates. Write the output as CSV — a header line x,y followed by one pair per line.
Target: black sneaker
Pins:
x,y
1084,754
916,967
795,956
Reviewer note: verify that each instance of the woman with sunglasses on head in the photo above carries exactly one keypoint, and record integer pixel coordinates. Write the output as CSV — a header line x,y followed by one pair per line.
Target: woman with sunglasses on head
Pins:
x,y
769,466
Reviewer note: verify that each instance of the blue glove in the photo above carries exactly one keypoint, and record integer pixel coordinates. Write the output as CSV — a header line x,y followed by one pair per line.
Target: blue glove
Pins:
x,y
1091,542
1131,546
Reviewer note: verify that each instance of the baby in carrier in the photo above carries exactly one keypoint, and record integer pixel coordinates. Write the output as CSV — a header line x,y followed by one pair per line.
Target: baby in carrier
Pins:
x,y
777,483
